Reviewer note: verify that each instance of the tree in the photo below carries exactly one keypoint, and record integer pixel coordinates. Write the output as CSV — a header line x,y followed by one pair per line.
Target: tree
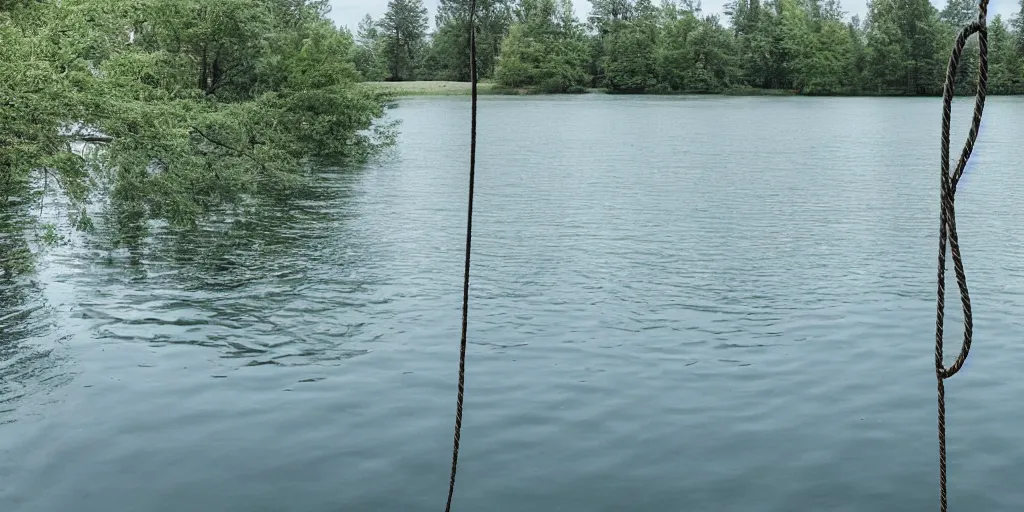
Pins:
x,y
1017,25
628,32
369,53
695,53
818,47
451,40
796,36
45,86
674,55
955,16
545,49
904,40
827,68
222,40
1004,63
958,13
199,104
858,55
403,30
713,56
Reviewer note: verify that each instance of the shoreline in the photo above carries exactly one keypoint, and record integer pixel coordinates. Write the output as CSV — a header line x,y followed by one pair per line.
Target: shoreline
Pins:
x,y
489,88
436,88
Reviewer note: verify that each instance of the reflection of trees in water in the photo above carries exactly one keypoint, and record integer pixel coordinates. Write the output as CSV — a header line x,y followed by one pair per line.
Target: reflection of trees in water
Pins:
x,y
234,249
16,257
231,242
237,284
27,364
246,282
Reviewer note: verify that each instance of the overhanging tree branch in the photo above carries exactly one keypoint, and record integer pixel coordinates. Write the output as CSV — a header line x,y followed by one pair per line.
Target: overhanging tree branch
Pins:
x,y
236,151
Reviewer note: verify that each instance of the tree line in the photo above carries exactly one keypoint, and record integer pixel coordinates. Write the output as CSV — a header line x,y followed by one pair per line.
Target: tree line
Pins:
x,y
901,47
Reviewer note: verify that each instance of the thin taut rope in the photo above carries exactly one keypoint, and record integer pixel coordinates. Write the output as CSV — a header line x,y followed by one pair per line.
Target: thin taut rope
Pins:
x,y
469,239
947,227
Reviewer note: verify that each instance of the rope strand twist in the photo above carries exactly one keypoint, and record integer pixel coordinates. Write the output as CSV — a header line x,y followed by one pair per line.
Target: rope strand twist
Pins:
x,y
947,225
469,239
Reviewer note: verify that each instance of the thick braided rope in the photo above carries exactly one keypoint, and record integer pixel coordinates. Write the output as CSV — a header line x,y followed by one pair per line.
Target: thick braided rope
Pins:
x,y
469,239
947,228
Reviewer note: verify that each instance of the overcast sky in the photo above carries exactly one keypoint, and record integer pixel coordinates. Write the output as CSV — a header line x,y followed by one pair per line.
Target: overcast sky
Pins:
x,y
349,12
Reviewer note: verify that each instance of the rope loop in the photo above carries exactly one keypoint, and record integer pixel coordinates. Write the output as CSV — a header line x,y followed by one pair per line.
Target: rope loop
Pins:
x,y
948,189
947,223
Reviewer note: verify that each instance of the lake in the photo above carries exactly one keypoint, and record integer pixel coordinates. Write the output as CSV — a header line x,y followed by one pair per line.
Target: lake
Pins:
x,y
677,303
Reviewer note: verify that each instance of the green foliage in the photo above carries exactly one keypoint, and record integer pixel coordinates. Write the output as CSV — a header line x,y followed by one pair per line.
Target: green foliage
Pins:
x,y
545,49
629,37
906,47
370,54
675,53
44,85
803,46
222,39
629,62
1005,74
1017,25
200,103
494,17
958,13
712,54
444,56
448,55
826,67
403,31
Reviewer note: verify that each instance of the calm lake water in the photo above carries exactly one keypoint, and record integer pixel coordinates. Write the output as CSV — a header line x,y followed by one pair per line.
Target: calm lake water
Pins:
x,y
688,304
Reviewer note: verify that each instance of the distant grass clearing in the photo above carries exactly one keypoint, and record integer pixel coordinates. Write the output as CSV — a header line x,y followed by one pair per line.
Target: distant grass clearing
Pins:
x,y
425,88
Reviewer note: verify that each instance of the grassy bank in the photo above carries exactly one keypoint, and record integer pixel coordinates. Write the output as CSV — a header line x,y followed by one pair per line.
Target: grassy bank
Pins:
x,y
429,88
424,88
440,88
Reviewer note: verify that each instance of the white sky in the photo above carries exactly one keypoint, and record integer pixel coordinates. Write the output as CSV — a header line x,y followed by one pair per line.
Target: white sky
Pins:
x,y
349,12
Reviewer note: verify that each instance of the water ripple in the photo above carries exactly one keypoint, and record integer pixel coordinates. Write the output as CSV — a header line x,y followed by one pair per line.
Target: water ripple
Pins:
x,y
677,303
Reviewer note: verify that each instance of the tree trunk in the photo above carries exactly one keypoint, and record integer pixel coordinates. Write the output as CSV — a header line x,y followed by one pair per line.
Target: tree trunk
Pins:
x,y
398,57
215,77
203,64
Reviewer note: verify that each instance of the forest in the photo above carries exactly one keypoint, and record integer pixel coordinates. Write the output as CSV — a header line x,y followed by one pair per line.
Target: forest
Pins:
x,y
808,47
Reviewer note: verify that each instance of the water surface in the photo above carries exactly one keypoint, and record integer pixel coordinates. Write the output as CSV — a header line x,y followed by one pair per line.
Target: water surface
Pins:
x,y
696,304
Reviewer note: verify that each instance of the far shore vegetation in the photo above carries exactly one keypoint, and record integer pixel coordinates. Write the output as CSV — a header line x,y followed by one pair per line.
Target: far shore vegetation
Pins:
x,y
779,47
